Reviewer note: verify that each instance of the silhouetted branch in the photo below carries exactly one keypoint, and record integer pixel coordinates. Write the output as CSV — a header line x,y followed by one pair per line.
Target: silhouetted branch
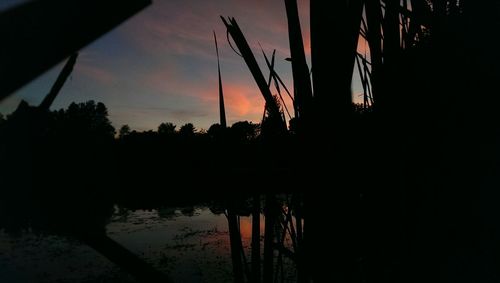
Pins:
x,y
61,79
272,77
278,78
58,28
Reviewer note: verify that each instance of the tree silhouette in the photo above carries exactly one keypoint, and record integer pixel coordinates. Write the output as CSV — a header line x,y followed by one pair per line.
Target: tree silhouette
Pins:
x,y
244,131
2,119
187,130
86,119
293,125
166,128
216,131
124,131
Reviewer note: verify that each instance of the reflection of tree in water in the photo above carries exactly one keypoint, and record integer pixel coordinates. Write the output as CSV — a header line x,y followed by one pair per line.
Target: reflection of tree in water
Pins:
x,y
167,212
70,148
64,185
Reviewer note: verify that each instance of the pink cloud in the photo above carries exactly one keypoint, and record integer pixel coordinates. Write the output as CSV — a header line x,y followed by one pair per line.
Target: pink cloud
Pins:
x,y
243,100
363,46
95,73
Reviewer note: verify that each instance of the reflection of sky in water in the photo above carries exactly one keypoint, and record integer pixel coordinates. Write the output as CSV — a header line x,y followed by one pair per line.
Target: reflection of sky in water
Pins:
x,y
189,248
190,245
44,259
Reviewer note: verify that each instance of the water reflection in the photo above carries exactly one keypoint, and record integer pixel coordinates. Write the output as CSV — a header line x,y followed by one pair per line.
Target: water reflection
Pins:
x,y
189,243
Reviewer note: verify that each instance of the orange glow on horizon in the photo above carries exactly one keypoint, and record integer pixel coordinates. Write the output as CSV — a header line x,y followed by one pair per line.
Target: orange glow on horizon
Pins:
x,y
246,227
241,100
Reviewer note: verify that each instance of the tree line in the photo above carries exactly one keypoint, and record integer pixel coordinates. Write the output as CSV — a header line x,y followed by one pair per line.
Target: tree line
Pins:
x,y
91,119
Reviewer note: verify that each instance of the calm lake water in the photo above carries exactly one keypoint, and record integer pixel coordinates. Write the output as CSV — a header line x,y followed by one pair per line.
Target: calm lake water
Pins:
x,y
188,244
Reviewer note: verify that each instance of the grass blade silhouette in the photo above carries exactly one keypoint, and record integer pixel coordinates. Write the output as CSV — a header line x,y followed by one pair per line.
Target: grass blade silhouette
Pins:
x,y
270,222
300,70
255,278
272,77
247,54
222,109
236,246
374,37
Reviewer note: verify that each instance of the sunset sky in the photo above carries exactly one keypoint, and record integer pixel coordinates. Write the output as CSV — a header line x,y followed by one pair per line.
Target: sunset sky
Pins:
x,y
160,66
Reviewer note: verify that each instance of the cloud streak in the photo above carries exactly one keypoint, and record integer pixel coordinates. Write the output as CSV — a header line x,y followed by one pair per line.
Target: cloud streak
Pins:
x,y
96,73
